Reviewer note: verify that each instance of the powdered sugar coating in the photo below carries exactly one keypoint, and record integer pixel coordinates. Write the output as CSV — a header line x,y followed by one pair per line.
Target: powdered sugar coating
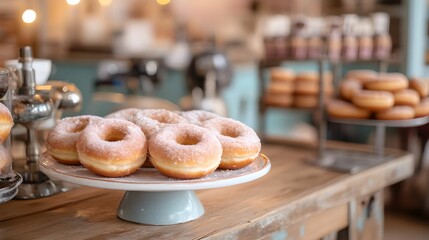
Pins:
x,y
198,117
236,138
6,122
151,121
67,131
167,143
113,140
126,114
5,160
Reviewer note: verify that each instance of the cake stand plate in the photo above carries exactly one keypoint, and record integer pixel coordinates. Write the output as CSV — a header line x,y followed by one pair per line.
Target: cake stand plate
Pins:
x,y
9,186
152,198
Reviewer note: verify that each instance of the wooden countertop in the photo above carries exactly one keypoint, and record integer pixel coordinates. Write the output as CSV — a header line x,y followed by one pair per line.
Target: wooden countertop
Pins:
x,y
294,198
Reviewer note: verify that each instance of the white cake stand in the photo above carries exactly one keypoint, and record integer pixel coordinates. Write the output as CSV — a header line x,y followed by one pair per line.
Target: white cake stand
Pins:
x,y
152,198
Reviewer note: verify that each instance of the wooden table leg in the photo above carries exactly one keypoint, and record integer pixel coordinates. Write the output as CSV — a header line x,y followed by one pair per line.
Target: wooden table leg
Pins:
x,y
366,217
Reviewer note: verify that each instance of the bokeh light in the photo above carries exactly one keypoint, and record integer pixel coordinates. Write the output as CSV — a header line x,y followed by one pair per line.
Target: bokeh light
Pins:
x,y
105,2
29,16
163,2
73,2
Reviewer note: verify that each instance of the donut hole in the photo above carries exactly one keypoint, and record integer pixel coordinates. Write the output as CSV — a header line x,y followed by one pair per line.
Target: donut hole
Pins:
x,y
230,132
187,139
114,135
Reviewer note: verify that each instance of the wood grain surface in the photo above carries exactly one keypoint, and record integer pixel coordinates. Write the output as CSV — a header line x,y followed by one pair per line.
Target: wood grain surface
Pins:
x,y
293,199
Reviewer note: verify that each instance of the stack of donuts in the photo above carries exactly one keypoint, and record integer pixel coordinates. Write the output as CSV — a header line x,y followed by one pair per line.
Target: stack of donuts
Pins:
x,y
287,89
385,96
6,124
182,145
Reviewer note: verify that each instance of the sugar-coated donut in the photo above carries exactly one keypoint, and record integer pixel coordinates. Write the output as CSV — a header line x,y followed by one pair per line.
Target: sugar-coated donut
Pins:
x,y
343,109
396,113
185,151
422,109
349,87
387,82
61,141
421,86
373,100
279,100
5,160
112,148
152,120
198,117
240,144
282,75
126,114
6,122
361,75
407,97
281,87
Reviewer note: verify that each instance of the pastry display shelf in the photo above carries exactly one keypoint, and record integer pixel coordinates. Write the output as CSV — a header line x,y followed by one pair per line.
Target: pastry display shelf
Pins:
x,y
354,162
322,64
322,159
265,63
380,127
9,183
152,198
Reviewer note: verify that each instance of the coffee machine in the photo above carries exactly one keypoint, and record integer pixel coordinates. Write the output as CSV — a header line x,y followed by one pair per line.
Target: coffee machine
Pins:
x,y
35,110
208,74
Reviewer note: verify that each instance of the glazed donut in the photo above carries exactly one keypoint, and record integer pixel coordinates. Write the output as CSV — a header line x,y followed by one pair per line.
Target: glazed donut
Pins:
x,y
281,87
240,144
308,83
5,160
396,113
406,97
343,109
361,75
112,148
125,114
387,82
282,75
421,86
422,109
152,120
61,141
349,87
279,100
373,100
198,117
312,88
185,151
6,122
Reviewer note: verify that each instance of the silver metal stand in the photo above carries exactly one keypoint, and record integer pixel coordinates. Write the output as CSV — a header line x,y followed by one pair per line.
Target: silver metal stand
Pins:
x,y
322,124
352,161
9,186
30,108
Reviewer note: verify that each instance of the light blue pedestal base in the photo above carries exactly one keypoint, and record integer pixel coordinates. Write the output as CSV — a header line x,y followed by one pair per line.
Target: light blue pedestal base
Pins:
x,y
160,208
